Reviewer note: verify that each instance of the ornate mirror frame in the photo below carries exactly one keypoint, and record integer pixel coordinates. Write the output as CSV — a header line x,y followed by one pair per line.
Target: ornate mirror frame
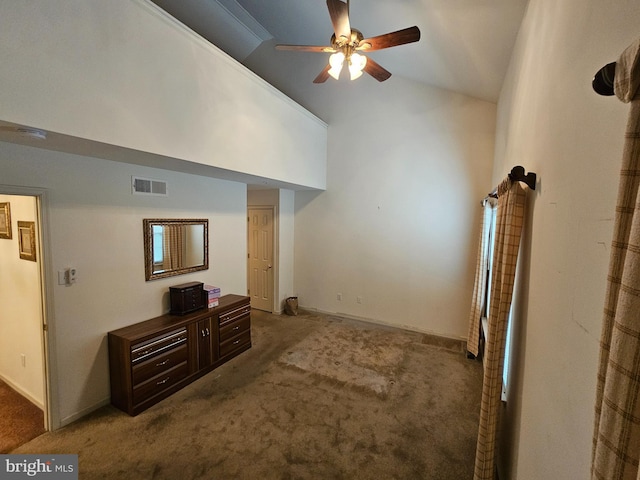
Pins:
x,y
150,268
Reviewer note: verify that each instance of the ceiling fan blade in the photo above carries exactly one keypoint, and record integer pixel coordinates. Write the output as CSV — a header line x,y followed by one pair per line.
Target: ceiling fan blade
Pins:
x,y
306,48
401,37
339,13
376,70
323,75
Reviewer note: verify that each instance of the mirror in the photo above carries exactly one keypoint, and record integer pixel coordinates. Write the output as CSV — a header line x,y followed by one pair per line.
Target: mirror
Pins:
x,y
174,247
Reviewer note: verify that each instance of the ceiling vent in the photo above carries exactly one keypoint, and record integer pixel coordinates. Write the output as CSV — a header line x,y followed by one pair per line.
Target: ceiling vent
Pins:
x,y
147,186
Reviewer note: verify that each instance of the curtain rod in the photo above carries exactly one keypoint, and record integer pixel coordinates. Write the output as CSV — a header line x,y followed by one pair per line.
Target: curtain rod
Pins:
x,y
603,80
517,175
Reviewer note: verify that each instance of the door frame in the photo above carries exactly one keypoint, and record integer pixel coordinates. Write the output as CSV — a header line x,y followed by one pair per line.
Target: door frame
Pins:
x,y
51,415
274,253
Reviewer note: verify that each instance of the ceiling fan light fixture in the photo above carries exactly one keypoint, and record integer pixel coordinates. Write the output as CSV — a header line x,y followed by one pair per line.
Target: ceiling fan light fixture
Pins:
x,y
336,61
357,63
345,40
354,74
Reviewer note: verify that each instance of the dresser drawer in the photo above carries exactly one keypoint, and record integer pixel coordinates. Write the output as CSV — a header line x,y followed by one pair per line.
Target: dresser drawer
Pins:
x,y
231,329
159,363
159,383
235,343
144,350
233,315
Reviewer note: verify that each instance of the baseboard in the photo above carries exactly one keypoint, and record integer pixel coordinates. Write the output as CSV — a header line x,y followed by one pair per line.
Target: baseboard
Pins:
x,y
438,338
82,413
23,392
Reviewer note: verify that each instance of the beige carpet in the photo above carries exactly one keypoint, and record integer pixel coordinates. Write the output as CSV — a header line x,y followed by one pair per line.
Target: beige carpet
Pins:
x,y
316,397
360,357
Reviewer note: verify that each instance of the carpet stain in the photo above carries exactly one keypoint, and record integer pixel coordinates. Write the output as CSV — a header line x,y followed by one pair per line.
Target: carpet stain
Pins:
x,y
159,422
361,358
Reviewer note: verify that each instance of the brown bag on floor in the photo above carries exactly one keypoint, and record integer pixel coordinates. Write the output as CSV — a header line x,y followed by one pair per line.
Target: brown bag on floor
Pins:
x,y
291,306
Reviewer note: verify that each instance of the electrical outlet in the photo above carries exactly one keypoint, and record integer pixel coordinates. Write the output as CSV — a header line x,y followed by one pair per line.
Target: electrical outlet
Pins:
x,y
339,296
359,299
23,359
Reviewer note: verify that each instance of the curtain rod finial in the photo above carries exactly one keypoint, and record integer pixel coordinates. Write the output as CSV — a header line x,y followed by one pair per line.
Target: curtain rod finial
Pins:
x,y
603,80
517,174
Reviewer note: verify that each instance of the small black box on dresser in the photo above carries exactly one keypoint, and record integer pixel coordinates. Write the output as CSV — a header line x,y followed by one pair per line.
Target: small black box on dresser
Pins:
x,y
186,297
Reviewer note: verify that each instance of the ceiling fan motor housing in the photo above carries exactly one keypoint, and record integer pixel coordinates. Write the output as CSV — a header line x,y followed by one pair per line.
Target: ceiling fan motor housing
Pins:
x,y
353,41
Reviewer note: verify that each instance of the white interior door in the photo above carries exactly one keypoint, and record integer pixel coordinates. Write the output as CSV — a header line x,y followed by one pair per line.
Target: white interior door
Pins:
x,y
261,258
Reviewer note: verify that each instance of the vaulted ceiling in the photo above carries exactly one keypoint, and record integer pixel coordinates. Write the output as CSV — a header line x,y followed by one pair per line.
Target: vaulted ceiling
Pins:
x,y
465,45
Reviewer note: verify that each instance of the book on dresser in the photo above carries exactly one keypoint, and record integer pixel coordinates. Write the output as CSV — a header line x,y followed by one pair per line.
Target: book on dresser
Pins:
x,y
150,360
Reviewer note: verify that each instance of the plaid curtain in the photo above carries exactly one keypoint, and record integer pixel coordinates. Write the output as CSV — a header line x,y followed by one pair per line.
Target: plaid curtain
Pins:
x,y
173,246
480,284
509,221
616,438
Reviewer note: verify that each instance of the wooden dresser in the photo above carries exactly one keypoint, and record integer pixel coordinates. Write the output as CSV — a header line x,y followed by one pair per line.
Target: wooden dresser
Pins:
x,y
150,360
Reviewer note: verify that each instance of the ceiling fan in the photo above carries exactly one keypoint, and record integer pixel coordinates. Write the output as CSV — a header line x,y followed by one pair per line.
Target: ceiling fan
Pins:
x,y
346,42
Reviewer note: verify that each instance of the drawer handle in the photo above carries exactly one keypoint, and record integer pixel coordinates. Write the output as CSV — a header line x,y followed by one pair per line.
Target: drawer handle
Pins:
x,y
236,328
236,342
236,312
163,363
162,382
176,337
205,332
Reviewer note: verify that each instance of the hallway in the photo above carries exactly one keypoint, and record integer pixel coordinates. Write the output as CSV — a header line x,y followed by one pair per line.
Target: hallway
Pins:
x,y
20,420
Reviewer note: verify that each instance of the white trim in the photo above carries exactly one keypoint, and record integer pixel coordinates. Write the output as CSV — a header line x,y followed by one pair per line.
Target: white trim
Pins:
x,y
410,328
84,412
245,20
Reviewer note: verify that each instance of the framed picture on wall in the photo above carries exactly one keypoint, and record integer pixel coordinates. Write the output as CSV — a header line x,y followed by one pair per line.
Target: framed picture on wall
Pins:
x,y
27,240
5,220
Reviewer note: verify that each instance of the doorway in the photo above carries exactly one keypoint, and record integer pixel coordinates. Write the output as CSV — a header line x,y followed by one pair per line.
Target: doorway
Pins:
x,y
23,366
260,264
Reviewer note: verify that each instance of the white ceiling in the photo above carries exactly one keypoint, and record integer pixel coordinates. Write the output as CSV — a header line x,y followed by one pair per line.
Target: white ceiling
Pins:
x,y
465,44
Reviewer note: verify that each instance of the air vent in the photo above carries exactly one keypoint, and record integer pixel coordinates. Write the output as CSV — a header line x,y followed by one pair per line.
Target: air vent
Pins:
x,y
147,186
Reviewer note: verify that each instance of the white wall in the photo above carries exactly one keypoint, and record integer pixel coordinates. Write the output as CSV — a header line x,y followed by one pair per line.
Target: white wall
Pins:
x,y
286,241
124,73
551,122
21,312
397,226
96,226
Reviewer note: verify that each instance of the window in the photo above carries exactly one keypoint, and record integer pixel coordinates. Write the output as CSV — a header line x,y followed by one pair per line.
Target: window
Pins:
x,y
507,349
158,256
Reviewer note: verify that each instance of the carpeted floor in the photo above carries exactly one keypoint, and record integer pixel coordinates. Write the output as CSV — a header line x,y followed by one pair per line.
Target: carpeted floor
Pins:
x,y
20,420
316,397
